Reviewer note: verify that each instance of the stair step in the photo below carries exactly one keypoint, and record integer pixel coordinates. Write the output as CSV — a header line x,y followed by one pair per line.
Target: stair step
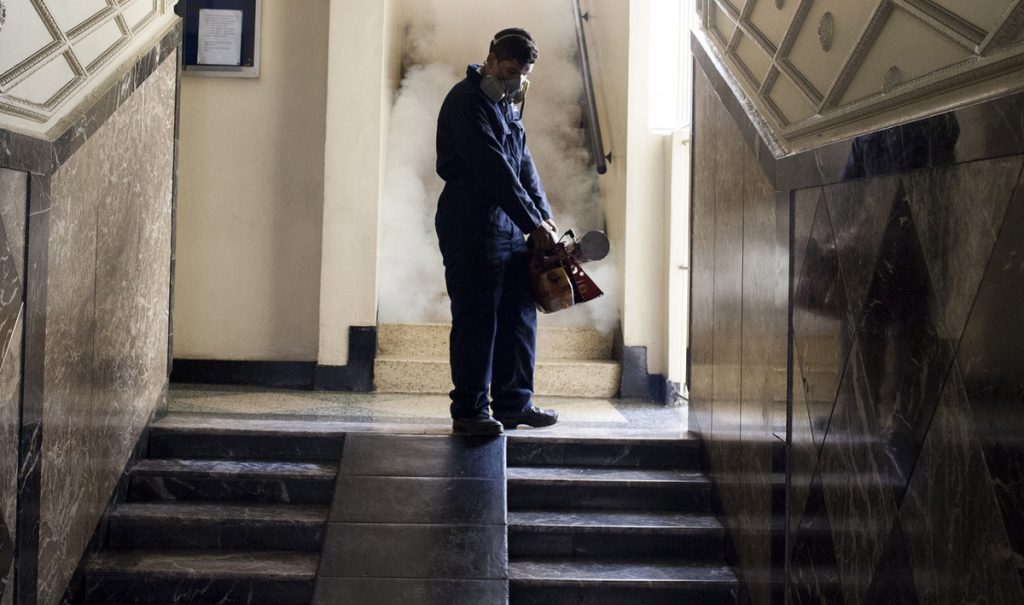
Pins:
x,y
242,444
610,582
582,378
151,576
615,534
232,480
630,453
195,525
589,488
430,341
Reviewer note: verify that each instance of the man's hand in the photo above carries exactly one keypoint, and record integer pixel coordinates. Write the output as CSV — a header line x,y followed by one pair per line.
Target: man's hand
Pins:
x,y
545,236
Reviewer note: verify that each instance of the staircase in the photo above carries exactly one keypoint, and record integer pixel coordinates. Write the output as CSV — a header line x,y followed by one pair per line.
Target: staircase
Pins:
x,y
613,521
218,515
572,362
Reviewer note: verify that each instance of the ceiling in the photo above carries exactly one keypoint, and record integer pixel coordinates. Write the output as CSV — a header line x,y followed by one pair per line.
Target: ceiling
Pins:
x,y
816,71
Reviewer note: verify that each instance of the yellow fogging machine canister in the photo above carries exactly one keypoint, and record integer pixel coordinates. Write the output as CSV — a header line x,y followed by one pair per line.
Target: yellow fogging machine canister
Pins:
x,y
556,277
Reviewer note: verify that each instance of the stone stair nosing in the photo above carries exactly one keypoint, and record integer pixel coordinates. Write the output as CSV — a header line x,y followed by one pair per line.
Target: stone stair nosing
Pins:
x,y
197,525
232,480
201,576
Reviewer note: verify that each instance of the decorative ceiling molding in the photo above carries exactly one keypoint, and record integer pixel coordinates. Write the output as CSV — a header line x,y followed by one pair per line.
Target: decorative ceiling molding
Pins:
x,y
58,62
903,60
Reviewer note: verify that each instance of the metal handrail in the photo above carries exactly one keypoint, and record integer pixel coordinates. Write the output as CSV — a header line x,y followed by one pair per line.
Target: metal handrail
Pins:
x,y
596,144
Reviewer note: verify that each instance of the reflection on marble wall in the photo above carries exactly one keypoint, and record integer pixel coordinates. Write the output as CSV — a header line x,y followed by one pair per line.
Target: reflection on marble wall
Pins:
x,y
904,479
106,317
738,331
13,204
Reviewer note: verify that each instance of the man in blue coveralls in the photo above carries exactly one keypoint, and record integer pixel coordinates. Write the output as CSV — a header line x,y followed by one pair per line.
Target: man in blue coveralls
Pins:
x,y
491,198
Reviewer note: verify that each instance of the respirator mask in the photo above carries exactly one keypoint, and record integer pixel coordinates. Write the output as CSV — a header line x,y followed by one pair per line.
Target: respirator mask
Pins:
x,y
512,90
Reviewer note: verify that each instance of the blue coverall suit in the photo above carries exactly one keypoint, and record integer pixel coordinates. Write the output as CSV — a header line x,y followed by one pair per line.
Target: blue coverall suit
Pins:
x,y
492,196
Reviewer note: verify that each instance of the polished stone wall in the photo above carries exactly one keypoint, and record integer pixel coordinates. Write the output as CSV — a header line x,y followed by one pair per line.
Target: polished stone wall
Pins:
x,y
738,337
85,253
13,204
890,471
106,327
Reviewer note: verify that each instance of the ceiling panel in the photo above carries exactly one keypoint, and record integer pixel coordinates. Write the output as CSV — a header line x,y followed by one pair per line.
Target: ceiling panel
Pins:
x,y
753,58
906,49
97,42
723,25
790,102
983,14
45,83
772,20
848,19
137,11
24,35
69,14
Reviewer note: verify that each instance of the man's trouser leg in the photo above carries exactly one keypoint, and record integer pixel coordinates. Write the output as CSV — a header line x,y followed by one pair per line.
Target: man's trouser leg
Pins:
x,y
515,339
475,287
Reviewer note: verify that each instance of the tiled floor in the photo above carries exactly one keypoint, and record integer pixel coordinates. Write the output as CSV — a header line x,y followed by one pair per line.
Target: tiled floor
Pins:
x,y
427,413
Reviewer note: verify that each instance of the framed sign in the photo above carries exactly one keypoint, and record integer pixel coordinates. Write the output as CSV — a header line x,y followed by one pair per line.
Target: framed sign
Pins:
x,y
221,37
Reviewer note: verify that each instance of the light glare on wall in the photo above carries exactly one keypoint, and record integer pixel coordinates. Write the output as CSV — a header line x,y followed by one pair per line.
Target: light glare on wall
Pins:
x,y
669,98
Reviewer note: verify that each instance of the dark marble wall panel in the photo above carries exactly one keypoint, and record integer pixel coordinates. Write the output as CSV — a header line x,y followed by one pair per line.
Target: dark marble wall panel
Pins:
x,y
859,500
13,205
702,260
106,326
957,213
738,331
903,480
760,335
950,517
724,446
990,358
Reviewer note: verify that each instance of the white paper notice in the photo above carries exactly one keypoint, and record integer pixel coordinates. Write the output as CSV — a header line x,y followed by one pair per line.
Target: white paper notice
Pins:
x,y
220,37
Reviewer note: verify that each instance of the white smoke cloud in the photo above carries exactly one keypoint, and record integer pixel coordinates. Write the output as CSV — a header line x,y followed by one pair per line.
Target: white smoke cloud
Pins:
x,y
442,37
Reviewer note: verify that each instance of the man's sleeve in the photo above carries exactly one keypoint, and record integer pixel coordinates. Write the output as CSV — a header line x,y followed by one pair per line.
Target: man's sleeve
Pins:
x,y
478,148
531,182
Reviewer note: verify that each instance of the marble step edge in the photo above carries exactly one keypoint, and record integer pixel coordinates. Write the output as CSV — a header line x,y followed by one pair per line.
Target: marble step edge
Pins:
x,y
615,521
184,423
612,573
202,424
235,469
552,342
602,436
205,564
589,475
213,512
605,437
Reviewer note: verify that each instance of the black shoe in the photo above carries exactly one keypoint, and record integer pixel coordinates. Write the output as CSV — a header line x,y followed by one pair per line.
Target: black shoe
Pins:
x,y
484,425
532,416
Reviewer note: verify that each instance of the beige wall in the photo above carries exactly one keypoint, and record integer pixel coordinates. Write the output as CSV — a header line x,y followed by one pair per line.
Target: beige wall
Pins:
x,y
250,198
359,96
607,30
635,186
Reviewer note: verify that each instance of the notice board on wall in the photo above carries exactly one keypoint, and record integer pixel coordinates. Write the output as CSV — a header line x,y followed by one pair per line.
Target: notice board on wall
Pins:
x,y
221,37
